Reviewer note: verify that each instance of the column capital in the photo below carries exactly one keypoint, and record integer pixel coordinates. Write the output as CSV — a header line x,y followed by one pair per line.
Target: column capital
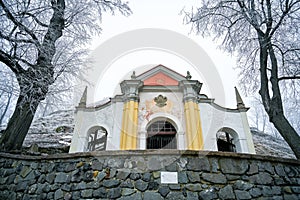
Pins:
x,y
130,89
190,88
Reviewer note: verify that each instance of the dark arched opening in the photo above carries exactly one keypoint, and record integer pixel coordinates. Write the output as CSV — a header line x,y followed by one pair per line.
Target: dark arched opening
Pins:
x,y
161,135
225,142
97,137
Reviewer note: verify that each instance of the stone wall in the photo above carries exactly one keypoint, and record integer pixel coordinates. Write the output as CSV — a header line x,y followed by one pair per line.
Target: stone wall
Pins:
x,y
137,175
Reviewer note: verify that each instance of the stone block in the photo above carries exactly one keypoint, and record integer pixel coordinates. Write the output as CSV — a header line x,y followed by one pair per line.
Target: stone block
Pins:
x,y
194,177
266,167
194,187
172,167
87,193
59,194
175,196
111,183
135,176
62,178
267,191
148,195
127,184
214,164
276,190
233,166
154,164
230,177
153,185
123,174
100,193
25,171
164,190
198,164
242,185
262,178
182,177
290,197
100,176
174,186
80,186
156,174
135,196
21,186
114,193
242,194
191,195
214,178
116,163
88,176
208,194
141,185
255,192
296,189
96,165
70,167
253,169
146,177
127,191
226,192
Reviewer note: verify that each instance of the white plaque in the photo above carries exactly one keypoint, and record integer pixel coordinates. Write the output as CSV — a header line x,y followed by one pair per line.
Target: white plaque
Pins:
x,y
169,177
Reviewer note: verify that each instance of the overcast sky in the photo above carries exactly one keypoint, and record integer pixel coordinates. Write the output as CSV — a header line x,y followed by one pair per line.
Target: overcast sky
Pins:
x,y
159,15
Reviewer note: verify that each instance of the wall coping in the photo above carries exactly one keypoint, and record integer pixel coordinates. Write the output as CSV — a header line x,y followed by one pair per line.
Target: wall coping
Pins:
x,y
161,152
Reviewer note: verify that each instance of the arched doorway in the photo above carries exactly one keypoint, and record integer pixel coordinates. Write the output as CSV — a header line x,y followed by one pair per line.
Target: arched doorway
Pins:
x,y
161,135
227,140
97,137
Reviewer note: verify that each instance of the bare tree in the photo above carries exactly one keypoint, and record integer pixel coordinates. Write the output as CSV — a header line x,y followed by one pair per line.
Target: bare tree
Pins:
x,y
259,115
39,41
8,93
265,36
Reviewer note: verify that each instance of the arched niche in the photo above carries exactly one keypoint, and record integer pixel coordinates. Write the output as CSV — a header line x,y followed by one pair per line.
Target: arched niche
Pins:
x,y
180,134
96,138
228,140
161,134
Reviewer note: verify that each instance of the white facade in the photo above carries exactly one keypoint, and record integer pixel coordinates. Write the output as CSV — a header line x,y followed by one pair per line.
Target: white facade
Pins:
x,y
214,119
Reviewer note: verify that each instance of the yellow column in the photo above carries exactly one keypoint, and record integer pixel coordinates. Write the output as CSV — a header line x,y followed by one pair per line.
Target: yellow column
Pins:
x,y
193,126
199,126
188,126
135,125
129,126
124,126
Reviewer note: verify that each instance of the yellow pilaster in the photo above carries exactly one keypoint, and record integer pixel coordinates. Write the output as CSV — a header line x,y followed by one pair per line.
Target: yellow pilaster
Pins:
x,y
129,126
193,126
135,125
188,126
124,127
199,126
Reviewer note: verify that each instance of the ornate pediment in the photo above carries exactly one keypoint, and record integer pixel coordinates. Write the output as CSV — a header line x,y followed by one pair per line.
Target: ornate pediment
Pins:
x,y
161,75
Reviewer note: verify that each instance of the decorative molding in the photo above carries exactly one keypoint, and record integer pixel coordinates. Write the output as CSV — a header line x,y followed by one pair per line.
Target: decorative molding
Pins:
x,y
161,101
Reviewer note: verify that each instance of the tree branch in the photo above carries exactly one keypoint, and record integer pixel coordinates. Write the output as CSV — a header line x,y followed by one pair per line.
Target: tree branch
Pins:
x,y
35,19
20,25
6,37
288,78
10,62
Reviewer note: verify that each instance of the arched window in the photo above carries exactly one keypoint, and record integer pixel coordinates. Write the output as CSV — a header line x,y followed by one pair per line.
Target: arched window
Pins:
x,y
97,137
227,140
161,135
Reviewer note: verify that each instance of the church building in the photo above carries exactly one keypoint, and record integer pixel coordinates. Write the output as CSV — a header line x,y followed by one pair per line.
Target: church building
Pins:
x,y
161,109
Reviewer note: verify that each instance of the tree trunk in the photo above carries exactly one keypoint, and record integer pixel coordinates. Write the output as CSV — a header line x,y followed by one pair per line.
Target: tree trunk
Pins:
x,y
288,133
18,125
34,82
273,106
